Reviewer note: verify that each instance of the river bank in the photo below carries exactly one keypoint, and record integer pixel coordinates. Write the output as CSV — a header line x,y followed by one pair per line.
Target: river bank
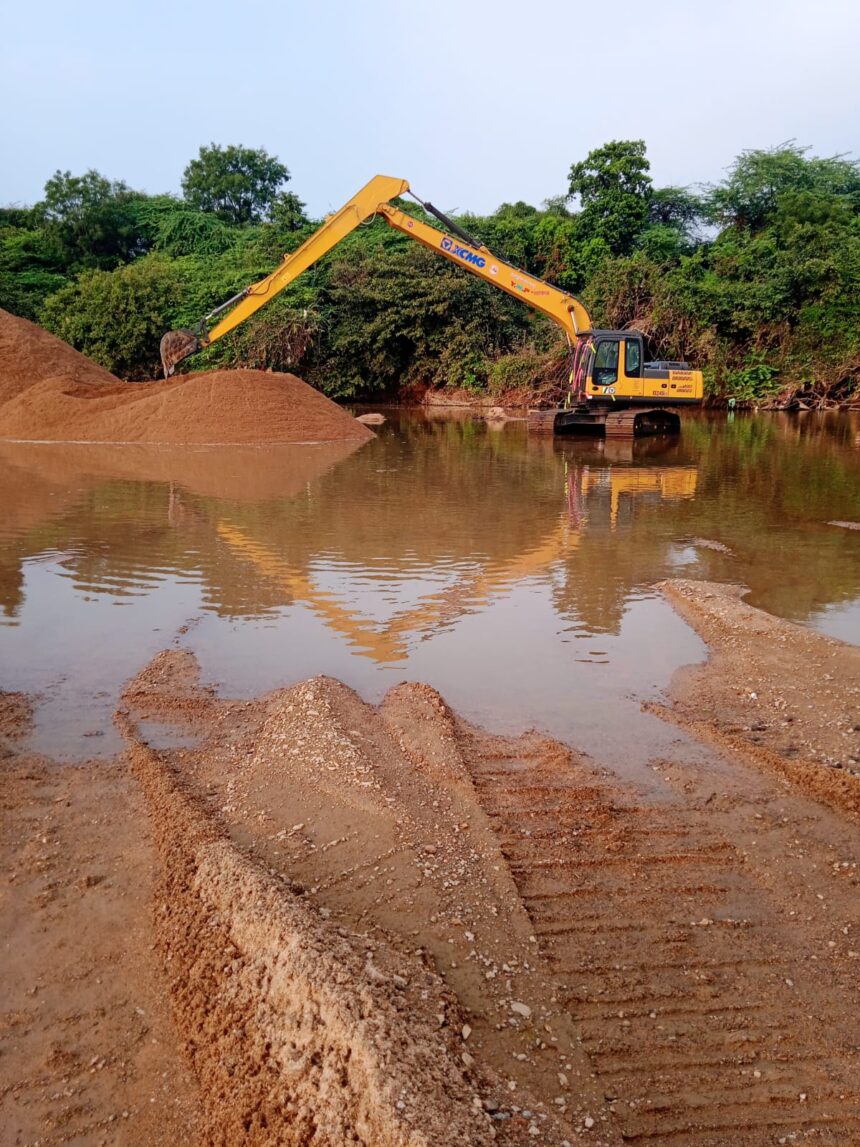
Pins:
x,y
301,915
784,696
522,399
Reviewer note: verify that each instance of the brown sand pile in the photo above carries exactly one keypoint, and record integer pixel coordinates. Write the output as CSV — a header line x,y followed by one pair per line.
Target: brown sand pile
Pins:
x,y
371,971
50,393
307,1039
29,354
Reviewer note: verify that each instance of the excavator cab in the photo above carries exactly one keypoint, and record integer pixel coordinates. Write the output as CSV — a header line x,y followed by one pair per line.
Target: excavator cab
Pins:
x,y
617,372
614,366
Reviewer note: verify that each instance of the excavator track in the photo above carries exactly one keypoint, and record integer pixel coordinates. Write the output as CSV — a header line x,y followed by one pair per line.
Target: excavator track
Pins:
x,y
624,423
542,421
634,423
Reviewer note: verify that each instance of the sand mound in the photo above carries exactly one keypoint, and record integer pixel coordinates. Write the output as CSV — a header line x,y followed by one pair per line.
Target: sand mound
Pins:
x,y
513,944
29,354
50,393
349,958
235,407
307,1043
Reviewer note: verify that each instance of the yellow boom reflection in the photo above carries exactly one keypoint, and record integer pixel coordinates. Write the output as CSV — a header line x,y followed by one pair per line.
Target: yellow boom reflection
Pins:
x,y
389,641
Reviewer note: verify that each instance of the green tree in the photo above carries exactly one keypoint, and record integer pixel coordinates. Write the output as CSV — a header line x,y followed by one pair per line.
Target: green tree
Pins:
x,y
672,225
238,184
93,221
759,179
399,314
287,228
29,270
675,207
288,212
174,227
15,216
613,187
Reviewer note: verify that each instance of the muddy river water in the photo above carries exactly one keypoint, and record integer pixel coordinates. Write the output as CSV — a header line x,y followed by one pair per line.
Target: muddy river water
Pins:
x,y
516,575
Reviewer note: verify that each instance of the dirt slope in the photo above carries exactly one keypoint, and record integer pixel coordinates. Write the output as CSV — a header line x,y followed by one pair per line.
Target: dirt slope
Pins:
x,y
786,697
353,835
50,393
28,354
693,975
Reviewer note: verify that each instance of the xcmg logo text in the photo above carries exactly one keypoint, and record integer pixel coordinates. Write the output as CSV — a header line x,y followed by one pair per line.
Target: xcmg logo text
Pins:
x,y
463,253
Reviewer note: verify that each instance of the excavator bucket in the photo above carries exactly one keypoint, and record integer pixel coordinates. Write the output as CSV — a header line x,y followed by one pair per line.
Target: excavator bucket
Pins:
x,y
175,346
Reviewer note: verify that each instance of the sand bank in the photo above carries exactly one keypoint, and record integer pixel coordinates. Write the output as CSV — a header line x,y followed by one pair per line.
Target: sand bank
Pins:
x,y
51,393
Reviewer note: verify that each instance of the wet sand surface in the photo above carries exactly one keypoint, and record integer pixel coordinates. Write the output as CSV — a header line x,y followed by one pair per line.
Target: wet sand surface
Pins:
x,y
783,696
88,1050
381,924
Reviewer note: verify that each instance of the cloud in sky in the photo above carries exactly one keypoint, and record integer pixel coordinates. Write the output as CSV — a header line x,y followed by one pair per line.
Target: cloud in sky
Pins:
x,y
473,101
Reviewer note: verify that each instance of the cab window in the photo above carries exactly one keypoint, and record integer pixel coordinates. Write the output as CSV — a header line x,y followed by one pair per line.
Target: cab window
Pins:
x,y
605,370
632,358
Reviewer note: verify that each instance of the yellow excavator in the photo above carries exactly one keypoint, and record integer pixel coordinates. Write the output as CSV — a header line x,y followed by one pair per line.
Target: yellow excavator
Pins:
x,y
612,387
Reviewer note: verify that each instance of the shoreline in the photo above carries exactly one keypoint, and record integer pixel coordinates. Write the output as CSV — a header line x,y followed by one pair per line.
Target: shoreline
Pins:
x,y
753,692
525,399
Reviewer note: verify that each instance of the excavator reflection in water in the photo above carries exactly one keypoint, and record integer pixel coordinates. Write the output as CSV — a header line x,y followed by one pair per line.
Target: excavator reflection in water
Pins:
x,y
596,497
627,484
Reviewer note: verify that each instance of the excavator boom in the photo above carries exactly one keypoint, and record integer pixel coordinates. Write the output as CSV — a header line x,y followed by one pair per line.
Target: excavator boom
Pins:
x,y
361,207
564,308
375,198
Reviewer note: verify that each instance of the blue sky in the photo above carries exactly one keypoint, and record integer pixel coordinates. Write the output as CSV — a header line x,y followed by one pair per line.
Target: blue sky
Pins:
x,y
473,102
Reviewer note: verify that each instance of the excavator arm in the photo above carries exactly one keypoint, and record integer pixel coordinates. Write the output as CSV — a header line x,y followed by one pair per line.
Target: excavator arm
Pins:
x,y
375,198
565,309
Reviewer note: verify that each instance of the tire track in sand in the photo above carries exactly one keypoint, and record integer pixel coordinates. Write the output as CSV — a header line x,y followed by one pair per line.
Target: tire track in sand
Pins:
x,y
710,997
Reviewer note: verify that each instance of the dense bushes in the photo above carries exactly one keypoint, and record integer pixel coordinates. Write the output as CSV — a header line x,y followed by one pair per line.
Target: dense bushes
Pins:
x,y
755,279
118,317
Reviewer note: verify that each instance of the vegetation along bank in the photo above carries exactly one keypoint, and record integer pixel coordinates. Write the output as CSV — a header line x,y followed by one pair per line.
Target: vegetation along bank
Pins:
x,y
755,279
